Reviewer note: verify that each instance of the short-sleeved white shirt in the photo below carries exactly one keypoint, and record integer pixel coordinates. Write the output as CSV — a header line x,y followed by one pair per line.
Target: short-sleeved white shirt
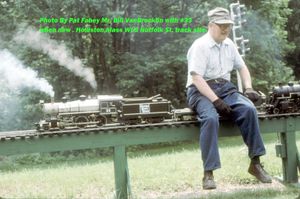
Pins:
x,y
212,60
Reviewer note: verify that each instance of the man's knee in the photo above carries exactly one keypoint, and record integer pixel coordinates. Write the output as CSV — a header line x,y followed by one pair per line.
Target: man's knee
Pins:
x,y
212,118
250,109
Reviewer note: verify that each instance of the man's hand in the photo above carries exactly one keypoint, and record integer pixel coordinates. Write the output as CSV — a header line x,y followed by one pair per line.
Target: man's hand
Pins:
x,y
222,108
252,94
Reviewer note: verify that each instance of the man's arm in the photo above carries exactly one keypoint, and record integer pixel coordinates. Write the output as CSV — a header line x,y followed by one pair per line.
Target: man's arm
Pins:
x,y
246,77
203,87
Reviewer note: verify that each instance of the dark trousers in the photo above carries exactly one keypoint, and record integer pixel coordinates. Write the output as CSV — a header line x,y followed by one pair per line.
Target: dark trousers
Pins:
x,y
244,115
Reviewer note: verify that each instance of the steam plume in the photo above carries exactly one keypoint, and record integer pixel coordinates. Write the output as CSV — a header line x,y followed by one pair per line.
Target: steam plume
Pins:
x,y
18,77
56,51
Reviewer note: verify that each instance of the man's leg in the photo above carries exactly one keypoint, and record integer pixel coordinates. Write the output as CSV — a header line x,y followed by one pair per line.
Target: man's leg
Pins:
x,y
245,116
209,120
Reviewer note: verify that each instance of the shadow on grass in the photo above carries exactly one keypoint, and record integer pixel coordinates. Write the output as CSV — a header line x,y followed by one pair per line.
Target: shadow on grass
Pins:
x,y
46,160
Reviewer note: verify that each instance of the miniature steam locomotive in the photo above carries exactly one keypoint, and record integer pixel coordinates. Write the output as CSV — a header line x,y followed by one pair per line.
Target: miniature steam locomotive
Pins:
x,y
108,109
284,99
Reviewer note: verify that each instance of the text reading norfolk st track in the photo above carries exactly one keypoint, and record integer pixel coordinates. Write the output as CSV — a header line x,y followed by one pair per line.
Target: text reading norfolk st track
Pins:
x,y
118,24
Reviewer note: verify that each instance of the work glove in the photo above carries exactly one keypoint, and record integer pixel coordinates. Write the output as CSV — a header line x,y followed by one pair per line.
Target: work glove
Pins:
x,y
252,94
222,108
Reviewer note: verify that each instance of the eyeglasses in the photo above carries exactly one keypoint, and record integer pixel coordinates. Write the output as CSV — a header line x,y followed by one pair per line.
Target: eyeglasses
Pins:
x,y
224,26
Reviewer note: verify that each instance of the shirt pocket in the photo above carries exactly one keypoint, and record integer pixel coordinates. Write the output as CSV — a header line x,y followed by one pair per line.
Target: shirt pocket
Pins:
x,y
228,61
213,67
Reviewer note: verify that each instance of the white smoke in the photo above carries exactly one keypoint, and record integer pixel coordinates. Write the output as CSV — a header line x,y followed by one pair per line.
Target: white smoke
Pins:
x,y
18,76
57,52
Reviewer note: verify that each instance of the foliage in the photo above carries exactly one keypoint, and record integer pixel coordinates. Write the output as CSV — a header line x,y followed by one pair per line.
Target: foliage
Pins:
x,y
138,64
293,28
265,29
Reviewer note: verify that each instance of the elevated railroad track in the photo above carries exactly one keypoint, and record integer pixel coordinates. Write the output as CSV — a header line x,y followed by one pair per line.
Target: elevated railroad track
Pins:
x,y
120,136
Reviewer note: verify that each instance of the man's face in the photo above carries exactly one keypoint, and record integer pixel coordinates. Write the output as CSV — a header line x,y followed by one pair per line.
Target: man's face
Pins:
x,y
220,32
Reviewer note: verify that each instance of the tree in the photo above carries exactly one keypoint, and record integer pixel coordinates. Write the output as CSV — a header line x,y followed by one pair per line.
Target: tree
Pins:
x,y
293,28
265,28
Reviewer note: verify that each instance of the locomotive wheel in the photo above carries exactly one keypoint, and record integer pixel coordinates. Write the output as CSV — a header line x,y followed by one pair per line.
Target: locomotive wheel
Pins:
x,y
276,110
81,119
101,120
61,126
132,121
46,127
295,108
154,120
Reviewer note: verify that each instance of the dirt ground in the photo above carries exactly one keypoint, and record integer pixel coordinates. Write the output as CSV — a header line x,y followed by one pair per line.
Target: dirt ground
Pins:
x,y
221,188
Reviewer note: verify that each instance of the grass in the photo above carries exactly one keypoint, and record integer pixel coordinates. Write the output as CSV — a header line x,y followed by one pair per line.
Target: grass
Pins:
x,y
164,172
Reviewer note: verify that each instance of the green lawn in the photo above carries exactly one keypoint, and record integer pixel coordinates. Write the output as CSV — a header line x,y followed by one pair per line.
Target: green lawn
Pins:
x,y
159,172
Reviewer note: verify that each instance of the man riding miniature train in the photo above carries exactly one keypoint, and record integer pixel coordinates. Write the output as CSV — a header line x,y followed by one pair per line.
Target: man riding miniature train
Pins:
x,y
210,93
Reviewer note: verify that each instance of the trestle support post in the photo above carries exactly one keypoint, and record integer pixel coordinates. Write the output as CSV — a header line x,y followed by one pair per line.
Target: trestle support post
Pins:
x,y
121,172
289,154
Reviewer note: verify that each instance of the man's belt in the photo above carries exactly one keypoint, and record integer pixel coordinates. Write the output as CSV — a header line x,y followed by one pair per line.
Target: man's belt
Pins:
x,y
218,80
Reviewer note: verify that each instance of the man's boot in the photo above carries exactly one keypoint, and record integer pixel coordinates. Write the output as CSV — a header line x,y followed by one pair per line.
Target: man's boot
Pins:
x,y
208,180
257,170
